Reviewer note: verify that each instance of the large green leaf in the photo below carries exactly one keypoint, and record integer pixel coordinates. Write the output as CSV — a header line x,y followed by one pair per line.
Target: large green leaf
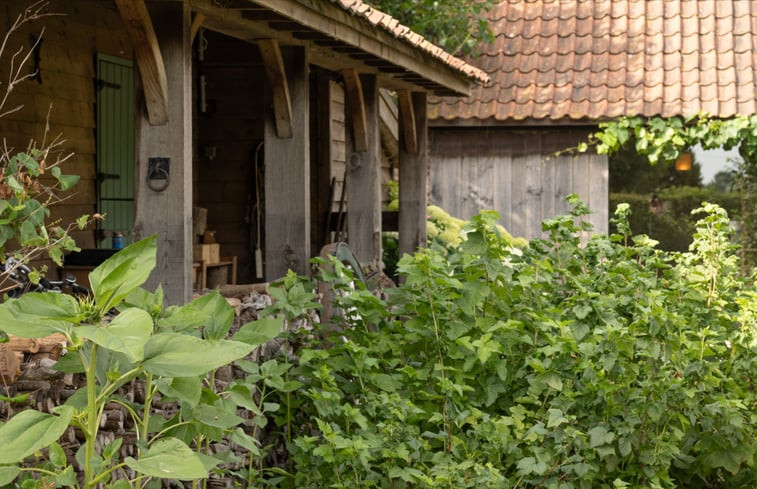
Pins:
x,y
169,458
186,389
7,474
210,311
39,314
127,333
178,355
256,333
123,272
29,431
215,416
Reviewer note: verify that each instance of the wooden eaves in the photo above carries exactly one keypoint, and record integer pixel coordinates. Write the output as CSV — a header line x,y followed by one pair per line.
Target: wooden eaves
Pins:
x,y
337,41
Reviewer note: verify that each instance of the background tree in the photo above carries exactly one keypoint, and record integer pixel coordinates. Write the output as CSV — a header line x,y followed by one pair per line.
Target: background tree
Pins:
x,y
455,25
723,181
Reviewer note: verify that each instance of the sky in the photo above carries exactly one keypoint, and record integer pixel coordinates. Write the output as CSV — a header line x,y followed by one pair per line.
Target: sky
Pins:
x,y
713,161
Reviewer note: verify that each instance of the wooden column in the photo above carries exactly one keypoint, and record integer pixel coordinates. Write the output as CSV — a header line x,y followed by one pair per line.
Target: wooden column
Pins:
x,y
413,170
287,174
363,170
164,206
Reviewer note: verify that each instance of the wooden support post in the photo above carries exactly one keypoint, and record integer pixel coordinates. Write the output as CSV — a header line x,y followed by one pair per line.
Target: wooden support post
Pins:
x,y
152,69
277,76
356,103
409,129
164,205
413,178
287,176
364,178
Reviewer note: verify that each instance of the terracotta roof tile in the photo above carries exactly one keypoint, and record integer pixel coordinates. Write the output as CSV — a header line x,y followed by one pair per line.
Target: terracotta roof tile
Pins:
x,y
597,59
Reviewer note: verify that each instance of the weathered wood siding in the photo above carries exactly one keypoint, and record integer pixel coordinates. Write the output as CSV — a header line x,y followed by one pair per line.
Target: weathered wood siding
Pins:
x,y
515,173
66,89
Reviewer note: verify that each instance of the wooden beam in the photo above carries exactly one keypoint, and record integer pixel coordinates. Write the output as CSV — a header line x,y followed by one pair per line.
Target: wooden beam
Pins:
x,y
250,25
413,178
354,89
328,18
149,58
364,179
164,207
282,103
287,176
197,21
407,116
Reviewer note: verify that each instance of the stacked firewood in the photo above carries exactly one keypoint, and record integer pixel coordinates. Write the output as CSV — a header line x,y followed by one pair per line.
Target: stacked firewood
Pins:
x,y
26,368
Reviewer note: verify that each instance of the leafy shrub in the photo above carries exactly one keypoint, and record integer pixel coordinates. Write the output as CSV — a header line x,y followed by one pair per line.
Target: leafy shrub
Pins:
x,y
444,233
674,226
605,365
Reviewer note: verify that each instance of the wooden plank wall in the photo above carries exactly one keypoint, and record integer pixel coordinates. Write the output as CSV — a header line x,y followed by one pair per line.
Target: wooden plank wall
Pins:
x,y
67,71
233,126
515,173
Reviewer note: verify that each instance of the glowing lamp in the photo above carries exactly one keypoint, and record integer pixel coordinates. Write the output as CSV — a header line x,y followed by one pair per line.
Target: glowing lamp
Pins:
x,y
683,163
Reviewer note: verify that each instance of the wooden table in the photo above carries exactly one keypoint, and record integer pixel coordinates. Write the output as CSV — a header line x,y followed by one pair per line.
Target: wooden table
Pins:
x,y
203,266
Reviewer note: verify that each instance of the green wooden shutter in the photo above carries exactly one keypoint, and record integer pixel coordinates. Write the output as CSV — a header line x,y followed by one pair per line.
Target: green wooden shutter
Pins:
x,y
115,147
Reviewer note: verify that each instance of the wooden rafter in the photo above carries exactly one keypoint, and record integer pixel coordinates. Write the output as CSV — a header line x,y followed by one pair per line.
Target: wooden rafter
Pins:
x,y
354,90
149,59
282,103
407,116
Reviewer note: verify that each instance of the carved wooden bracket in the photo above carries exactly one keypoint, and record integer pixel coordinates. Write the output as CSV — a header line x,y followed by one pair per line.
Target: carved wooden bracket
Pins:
x,y
149,59
282,103
356,100
197,21
407,121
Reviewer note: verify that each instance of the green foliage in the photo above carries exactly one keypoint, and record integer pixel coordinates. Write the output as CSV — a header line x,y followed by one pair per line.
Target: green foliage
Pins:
x,y
171,351
674,224
445,233
663,139
458,27
560,365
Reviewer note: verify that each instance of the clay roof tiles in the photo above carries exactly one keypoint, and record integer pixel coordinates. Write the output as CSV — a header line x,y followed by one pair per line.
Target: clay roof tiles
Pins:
x,y
599,59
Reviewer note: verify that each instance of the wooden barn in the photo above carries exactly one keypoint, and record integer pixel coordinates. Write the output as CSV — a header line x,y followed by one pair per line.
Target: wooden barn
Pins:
x,y
254,110
557,69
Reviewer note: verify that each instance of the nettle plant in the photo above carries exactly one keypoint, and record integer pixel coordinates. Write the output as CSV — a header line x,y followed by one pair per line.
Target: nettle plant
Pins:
x,y
604,364
124,334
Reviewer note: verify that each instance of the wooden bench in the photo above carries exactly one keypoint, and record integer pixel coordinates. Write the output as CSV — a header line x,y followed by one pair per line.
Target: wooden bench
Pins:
x,y
202,268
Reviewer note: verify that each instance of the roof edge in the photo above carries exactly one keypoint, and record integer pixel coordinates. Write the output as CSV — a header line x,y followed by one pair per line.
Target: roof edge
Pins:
x,y
389,24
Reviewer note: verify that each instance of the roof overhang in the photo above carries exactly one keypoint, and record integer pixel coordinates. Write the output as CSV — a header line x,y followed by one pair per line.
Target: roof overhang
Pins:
x,y
338,40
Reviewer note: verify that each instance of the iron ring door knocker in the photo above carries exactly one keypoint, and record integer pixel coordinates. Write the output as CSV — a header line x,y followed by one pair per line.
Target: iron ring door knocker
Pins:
x,y
158,172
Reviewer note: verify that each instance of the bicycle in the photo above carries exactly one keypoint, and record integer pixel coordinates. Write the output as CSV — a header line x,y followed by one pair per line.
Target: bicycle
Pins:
x,y
19,273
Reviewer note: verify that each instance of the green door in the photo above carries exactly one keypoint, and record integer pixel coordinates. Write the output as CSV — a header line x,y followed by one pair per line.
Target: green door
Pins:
x,y
115,147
